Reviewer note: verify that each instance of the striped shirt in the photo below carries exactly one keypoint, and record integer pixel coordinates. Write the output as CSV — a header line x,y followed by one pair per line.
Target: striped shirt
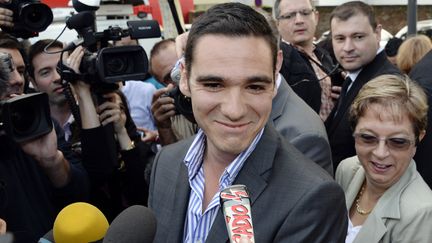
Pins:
x,y
197,225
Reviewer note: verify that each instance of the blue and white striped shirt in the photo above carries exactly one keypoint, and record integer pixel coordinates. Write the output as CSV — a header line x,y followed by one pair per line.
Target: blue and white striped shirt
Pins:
x,y
197,225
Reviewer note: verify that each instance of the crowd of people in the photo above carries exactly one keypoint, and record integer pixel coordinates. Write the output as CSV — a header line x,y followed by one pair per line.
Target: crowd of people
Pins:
x,y
331,143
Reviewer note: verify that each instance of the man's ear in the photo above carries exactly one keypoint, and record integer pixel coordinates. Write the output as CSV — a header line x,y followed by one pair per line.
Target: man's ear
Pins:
x,y
184,84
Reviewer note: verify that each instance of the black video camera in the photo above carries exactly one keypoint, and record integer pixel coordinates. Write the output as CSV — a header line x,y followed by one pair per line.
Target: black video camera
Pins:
x,y
29,16
25,117
107,65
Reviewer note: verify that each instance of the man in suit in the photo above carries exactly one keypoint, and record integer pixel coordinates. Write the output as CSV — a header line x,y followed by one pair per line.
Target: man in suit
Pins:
x,y
308,68
356,37
231,89
422,73
300,125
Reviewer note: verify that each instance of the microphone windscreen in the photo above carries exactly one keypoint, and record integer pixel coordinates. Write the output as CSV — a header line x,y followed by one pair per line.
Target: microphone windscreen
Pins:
x,y
79,223
47,238
7,238
80,20
136,224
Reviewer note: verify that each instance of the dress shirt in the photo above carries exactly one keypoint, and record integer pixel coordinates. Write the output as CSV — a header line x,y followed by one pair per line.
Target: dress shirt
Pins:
x,y
197,223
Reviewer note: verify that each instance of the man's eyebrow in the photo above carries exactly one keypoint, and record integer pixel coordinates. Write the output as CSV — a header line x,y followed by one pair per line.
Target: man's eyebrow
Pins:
x,y
258,78
204,78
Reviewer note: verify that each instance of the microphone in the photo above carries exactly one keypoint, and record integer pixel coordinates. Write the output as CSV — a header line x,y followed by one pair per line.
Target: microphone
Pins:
x,y
237,212
136,224
78,223
7,238
47,238
80,20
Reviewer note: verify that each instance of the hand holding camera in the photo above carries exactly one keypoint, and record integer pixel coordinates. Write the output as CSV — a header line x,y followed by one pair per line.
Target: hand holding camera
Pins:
x,y
6,16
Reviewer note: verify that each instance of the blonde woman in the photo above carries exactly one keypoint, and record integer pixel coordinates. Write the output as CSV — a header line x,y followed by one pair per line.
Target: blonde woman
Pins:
x,y
411,51
387,199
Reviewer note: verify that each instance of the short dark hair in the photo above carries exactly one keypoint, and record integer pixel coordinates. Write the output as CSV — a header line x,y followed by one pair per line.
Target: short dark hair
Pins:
x,y
157,48
392,46
350,9
38,48
8,41
230,19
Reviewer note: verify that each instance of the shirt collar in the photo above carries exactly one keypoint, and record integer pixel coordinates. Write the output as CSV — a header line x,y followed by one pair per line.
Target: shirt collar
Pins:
x,y
194,157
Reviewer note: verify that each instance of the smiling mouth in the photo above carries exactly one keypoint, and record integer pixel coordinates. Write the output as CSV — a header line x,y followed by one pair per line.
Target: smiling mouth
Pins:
x,y
381,167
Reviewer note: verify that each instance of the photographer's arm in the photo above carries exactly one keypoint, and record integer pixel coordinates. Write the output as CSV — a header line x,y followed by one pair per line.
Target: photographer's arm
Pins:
x,y
113,111
163,109
89,116
44,150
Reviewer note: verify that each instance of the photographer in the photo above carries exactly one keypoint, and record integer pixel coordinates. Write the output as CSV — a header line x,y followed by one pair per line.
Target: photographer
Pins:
x,y
126,184
38,177
172,127
117,181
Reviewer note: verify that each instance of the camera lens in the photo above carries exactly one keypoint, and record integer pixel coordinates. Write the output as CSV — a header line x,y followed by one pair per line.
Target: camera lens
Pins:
x,y
117,65
23,117
36,16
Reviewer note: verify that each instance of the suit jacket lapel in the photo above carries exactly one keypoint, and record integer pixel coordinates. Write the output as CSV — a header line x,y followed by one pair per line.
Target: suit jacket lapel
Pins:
x,y
253,175
180,201
387,207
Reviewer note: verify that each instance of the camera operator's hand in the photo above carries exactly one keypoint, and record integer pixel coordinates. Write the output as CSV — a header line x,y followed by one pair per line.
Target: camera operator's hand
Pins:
x,y
163,107
44,150
89,116
6,19
113,111
2,227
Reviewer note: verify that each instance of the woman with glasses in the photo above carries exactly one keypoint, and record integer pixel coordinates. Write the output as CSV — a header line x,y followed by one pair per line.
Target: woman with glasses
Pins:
x,y
387,199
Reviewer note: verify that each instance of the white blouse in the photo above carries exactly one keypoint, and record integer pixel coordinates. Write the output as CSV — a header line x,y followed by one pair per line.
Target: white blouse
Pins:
x,y
352,231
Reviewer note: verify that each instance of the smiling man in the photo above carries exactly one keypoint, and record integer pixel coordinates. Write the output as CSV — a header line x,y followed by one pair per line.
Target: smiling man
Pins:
x,y
356,37
231,61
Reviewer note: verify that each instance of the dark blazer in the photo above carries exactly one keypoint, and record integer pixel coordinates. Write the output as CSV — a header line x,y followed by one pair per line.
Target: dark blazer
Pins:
x,y
422,73
292,199
338,126
301,126
298,72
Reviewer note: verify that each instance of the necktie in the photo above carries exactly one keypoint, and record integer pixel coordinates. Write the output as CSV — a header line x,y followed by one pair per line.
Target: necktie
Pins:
x,y
343,92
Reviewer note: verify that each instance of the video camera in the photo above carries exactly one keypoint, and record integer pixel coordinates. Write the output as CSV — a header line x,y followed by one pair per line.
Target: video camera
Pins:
x,y
23,117
107,65
29,16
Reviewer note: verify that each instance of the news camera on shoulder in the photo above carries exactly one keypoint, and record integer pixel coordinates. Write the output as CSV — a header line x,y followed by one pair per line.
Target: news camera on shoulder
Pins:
x,y
104,64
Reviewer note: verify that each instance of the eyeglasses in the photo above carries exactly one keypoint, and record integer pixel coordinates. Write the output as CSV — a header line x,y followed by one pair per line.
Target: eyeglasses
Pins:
x,y
394,143
293,14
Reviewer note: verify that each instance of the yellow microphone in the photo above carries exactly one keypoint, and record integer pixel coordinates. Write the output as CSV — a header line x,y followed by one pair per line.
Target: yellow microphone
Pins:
x,y
80,223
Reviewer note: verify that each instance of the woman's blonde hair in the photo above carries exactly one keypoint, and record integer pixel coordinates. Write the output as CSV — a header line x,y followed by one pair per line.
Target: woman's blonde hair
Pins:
x,y
397,95
411,51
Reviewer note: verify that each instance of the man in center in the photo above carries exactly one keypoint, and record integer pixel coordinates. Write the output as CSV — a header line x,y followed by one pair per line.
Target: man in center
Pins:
x,y
231,88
